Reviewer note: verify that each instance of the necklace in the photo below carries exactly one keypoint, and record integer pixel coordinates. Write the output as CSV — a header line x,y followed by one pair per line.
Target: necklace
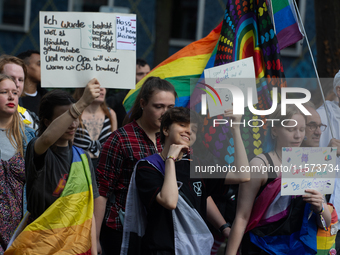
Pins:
x,y
278,156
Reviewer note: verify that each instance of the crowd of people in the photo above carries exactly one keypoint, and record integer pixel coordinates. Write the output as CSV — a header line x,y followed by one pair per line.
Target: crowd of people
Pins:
x,y
133,173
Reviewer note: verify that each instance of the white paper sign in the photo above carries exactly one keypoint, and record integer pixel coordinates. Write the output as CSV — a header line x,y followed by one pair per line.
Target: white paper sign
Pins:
x,y
240,73
126,33
76,47
308,168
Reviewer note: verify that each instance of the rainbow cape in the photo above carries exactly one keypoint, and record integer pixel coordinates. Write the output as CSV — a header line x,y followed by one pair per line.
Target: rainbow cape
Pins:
x,y
178,69
65,227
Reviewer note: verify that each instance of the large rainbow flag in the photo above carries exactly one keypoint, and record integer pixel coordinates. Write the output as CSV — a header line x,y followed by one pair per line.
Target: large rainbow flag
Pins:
x,y
65,227
247,31
178,69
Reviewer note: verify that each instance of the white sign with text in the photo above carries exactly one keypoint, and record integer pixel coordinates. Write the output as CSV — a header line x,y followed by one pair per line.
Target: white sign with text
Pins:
x,y
308,168
240,73
76,47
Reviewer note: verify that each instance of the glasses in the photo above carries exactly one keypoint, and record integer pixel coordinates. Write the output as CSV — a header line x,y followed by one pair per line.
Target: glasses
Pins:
x,y
313,127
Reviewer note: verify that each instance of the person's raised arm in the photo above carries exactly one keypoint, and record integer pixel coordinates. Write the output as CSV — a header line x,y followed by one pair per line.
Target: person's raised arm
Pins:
x,y
59,126
168,196
240,155
245,200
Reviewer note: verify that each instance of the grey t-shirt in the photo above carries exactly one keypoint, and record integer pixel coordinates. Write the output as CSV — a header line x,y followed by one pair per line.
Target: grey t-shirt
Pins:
x,y
6,149
46,176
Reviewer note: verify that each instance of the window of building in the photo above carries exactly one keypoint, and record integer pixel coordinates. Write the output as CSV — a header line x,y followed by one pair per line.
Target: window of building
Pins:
x,y
86,5
15,15
187,22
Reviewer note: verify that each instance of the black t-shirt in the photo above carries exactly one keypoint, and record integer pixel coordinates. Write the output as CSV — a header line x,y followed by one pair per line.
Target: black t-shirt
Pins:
x,y
32,102
46,176
159,234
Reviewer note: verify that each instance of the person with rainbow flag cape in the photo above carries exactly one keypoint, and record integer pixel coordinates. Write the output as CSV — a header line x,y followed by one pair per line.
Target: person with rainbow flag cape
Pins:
x,y
61,184
266,222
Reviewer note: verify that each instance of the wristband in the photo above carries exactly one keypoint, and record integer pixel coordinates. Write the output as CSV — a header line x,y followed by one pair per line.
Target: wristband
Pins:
x,y
172,157
72,115
74,107
322,209
224,226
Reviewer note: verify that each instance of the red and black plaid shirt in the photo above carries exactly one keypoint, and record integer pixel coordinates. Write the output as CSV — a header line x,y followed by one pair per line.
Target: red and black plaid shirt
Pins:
x,y
118,157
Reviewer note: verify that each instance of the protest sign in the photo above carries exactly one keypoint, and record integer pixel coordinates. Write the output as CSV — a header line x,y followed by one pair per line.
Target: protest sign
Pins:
x,y
76,47
240,73
308,168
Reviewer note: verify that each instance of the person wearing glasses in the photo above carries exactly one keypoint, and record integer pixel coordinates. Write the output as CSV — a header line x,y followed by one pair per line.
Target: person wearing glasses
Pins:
x,y
314,127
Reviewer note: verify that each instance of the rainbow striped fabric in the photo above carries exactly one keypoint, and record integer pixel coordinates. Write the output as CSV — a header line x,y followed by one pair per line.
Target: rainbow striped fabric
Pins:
x,y
325,240
247,31
178,69
286,26
65,227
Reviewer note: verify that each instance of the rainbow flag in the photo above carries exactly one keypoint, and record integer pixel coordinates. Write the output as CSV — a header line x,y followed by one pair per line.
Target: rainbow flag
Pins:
x,y
286,25
65,227
178,69
247,31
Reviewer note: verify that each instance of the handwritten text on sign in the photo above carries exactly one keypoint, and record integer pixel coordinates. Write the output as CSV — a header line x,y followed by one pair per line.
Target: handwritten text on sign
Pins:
x,y
308,168
76,47
240,73
126,33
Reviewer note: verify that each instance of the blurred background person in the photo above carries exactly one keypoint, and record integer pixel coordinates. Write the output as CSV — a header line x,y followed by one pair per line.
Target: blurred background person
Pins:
x,y
32,87
97,123
115,101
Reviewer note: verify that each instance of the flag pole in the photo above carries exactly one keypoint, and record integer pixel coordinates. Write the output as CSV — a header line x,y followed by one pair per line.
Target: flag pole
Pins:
x,y
316,71
271,7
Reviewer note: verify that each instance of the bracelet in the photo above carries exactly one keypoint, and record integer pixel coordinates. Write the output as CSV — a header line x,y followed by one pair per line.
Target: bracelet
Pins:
x,y
72,115
322,209
323,222
74,107
172,157
224,226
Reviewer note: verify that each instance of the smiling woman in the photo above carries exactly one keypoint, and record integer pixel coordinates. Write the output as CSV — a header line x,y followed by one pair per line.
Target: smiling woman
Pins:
x,y
169,195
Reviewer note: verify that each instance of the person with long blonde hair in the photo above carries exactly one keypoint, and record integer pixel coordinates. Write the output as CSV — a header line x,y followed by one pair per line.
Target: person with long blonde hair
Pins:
x,y
16,68
14,136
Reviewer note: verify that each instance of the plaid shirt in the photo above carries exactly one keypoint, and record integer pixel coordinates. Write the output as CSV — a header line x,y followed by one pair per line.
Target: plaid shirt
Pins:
x,y
118,157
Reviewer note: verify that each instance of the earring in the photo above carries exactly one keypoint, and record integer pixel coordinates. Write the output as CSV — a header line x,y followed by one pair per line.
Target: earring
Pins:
x,y
142,108
305,138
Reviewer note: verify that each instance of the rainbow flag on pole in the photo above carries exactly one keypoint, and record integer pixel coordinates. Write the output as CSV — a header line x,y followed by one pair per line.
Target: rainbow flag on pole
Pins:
x,y
65,227
286,25
178,69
